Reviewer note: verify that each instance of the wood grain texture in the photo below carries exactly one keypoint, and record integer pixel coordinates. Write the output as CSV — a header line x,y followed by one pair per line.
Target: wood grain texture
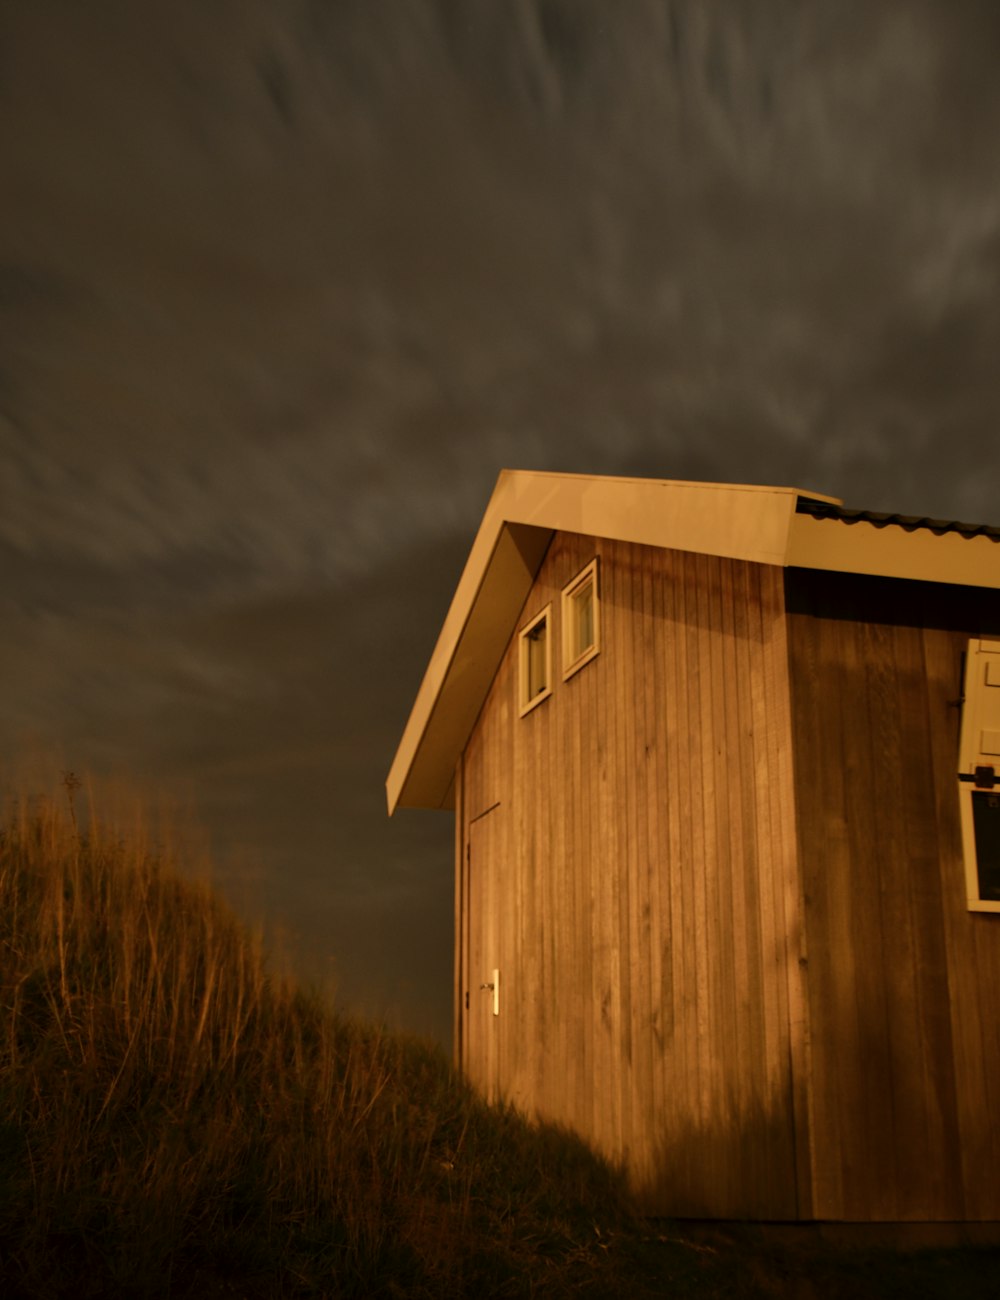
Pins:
x,y
904,1062
721,872
645,879
459,973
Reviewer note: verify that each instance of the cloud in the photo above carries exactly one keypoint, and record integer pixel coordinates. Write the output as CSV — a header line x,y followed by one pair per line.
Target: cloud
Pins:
x,y
284,286
299,287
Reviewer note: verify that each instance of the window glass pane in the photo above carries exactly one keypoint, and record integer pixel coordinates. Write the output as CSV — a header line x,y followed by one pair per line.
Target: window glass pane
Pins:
x,y
583,617
986,821
581,620
536,659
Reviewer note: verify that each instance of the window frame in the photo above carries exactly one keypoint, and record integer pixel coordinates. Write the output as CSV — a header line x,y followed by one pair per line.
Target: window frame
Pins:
x,y
980,716
975,902
573,662
526,703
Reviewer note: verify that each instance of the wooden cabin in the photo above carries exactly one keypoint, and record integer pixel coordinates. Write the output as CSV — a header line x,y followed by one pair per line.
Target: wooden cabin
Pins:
x,y
727,842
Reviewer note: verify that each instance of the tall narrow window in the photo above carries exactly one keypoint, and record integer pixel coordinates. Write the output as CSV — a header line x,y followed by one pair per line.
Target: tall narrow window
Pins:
x,y
979,775
580,620
535,661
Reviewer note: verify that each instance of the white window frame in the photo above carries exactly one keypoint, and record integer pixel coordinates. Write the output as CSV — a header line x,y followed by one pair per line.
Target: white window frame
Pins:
x,y
979,744
974,900
572,659
526,702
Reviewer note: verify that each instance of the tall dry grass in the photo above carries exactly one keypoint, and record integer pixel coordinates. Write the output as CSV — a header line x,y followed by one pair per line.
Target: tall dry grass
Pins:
x,y
177,1119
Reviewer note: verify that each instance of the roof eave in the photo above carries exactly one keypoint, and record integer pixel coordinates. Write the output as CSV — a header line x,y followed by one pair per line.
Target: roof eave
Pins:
x,y
893,550
525,509
464,663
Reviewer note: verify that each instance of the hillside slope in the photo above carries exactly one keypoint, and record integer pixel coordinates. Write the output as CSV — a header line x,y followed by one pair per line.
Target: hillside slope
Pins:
x,y
178,1120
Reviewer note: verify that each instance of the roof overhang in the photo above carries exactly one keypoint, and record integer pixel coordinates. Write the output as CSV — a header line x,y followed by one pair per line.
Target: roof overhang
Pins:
x,y
521,517
922,551
768,525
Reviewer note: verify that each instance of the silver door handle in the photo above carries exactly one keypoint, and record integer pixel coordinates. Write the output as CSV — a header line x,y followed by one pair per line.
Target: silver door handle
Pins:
x,y
493,986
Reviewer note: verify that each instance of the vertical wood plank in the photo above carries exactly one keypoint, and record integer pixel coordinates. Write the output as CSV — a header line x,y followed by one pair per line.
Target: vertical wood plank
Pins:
x,y
459,974
782,886
636,864
894,1044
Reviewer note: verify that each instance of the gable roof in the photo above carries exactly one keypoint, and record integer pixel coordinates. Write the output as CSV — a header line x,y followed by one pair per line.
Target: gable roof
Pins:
x,y
769,525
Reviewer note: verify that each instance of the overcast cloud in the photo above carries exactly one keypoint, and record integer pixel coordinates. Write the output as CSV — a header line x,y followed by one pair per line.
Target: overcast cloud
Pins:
x,y
285,283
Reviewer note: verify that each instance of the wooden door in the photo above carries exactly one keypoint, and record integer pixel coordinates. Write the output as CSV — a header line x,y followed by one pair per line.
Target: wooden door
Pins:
x,y
484,969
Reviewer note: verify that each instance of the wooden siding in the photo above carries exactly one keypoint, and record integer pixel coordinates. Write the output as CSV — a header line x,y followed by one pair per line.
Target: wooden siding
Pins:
x,y
902,978
627,851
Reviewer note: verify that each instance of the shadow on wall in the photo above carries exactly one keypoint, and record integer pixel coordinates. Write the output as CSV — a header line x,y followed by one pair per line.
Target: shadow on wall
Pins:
x,y
739,1165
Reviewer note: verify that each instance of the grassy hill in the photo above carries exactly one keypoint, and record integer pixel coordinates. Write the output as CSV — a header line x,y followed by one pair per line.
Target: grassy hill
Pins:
x,y
177,1119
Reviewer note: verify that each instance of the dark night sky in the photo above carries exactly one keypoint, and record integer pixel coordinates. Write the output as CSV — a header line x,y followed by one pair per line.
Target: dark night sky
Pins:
x,y
285,283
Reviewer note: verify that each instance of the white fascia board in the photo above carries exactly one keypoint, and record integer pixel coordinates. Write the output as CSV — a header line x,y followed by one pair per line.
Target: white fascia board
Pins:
x,y
743,522
893,551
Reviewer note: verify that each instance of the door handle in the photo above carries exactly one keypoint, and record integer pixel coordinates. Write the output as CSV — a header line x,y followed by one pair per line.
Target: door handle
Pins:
x,y
493,986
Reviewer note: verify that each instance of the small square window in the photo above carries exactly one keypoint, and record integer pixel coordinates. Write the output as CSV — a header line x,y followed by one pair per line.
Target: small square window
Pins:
x,y
535,661
581,628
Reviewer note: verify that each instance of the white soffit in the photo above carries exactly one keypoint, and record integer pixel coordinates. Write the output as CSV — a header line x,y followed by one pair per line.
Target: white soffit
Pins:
x,y
490,593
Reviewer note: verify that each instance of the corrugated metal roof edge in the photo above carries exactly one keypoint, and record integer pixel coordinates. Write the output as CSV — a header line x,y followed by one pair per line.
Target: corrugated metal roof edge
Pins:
x,y
910,523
